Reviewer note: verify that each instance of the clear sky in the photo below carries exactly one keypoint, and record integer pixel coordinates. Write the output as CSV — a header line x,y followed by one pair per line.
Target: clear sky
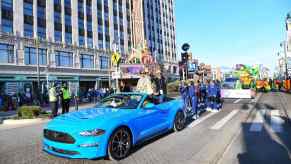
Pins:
x,y
226,32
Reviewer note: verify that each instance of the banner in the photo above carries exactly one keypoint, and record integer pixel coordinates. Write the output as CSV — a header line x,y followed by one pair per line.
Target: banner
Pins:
x,y
234,93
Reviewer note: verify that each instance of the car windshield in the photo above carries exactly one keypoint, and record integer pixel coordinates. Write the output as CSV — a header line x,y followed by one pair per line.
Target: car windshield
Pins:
x,y
121,101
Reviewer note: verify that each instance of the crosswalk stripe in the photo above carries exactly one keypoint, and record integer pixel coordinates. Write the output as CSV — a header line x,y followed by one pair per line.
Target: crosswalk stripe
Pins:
x,y
276,121
223,121
257,124
196,122
237,101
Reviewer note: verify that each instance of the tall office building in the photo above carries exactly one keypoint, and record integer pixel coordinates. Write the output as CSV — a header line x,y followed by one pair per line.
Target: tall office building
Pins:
x,y
160,31
154,24
71,38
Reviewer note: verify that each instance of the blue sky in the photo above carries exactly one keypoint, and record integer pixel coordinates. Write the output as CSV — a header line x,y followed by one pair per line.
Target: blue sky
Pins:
x,y
226,32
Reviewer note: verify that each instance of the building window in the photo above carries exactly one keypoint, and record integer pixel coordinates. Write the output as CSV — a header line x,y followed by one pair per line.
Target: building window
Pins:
x,y
81,40
7,16
68,22
58,36
42,56
81,23
90,42
57,21
87,61
104,62
68,38
6,53
41,21
28,18
30,56
64,59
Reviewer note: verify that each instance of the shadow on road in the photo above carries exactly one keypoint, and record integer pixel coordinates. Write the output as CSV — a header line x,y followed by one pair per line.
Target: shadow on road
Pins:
x,y
265,146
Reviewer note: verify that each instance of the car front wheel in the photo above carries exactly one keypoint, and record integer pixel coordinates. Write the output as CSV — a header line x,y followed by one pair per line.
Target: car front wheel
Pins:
x,y
119,144
180,121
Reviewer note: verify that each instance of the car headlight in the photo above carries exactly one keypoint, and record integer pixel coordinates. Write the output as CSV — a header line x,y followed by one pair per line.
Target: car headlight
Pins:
x,y
94,132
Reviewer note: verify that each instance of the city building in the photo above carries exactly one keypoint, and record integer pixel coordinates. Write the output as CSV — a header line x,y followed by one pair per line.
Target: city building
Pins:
x,y
72,40
154,25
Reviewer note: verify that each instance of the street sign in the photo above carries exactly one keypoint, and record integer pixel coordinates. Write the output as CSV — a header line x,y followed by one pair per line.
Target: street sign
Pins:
x,y
185,47
116,75
20,78
115,58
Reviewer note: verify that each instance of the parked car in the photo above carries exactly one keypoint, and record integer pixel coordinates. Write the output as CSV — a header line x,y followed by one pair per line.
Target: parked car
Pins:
x,y
113,127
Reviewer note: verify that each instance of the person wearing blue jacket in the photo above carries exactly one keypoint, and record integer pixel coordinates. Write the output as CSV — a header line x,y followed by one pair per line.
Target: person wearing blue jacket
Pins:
x,y
183,89
193,99
218,97
212,95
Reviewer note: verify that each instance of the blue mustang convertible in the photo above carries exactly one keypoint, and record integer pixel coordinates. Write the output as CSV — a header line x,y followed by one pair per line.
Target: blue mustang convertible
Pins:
x,y
113,127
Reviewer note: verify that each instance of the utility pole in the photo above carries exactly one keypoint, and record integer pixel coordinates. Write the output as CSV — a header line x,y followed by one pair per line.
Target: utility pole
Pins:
x,y
37,68
284,45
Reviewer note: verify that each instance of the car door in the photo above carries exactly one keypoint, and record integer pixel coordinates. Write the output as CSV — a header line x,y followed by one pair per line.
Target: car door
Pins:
x,y
164,111
149,121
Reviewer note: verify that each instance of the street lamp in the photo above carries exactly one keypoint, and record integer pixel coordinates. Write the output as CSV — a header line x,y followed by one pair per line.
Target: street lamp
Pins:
x,y
37,68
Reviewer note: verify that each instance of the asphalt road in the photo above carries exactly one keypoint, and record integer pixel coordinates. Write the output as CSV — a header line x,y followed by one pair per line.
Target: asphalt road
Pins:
x,y
243,132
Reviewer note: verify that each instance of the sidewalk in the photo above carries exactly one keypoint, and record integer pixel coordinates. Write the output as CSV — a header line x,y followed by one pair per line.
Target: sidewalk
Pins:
x,y
9,114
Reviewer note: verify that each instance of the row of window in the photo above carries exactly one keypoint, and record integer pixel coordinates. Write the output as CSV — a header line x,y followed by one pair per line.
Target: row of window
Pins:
x,y
62,58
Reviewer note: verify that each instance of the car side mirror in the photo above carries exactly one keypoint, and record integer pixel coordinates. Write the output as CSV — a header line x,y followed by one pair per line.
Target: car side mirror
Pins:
x,y
149,105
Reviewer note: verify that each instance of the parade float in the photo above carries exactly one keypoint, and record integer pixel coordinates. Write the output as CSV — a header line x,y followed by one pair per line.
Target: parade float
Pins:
x,y
242,83
140,60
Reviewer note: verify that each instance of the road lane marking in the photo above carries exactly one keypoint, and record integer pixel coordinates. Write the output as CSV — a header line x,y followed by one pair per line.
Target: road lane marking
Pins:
x,y
223,121
237,101
257,124
196,122
276,121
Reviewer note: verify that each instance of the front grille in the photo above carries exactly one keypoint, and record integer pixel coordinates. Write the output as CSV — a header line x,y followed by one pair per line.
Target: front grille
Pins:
x,y
62,151
58,136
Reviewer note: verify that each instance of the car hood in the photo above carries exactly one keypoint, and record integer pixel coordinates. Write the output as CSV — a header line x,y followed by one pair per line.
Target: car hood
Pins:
x,y
88,119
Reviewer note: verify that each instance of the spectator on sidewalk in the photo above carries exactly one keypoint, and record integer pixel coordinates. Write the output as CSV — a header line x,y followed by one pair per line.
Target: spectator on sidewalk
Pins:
x,y
53,100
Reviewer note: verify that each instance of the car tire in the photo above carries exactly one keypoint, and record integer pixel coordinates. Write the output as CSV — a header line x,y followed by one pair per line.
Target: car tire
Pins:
x,y
119,144
179,121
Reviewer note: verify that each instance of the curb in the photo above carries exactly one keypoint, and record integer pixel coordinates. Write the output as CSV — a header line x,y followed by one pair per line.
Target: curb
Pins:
x,y
23,121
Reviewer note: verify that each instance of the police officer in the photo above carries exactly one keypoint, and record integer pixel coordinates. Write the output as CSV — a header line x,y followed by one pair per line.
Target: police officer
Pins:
x,y
66,98
53,99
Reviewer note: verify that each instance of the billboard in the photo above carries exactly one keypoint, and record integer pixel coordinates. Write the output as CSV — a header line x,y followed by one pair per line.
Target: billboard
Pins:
x,y
192,67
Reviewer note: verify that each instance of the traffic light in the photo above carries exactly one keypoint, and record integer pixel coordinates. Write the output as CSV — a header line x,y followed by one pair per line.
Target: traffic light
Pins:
x,y
184,56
